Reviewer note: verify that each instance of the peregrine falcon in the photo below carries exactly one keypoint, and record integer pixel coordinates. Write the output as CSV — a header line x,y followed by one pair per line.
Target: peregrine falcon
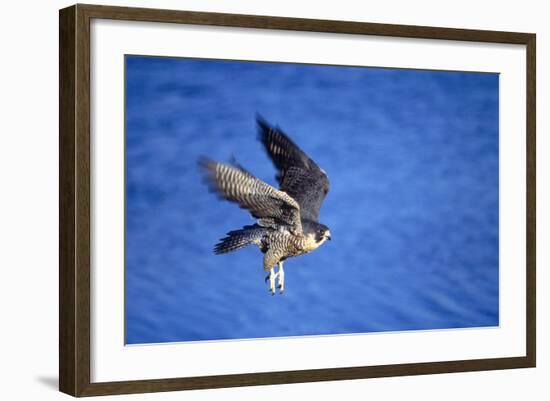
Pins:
x,y
287,218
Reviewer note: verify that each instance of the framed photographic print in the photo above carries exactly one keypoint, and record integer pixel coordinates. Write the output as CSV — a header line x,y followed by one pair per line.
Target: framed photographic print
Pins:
x,y
250,200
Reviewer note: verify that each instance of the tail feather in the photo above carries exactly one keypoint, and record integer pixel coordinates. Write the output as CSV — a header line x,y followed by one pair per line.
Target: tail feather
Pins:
x,y
238,239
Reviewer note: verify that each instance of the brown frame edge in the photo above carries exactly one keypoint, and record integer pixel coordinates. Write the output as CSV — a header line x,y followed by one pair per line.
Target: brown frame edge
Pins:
x,y
74,199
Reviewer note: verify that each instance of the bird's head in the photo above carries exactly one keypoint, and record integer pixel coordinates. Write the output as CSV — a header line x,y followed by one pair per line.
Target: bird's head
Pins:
x,y
322,233
317,231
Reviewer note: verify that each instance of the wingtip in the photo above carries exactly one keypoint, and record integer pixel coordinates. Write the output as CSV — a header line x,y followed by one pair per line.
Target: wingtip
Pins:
x,y
206,164
266,130
208,168
263,127
260,120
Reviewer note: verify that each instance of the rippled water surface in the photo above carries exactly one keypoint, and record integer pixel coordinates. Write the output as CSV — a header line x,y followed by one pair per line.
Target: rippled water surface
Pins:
x,y
413,209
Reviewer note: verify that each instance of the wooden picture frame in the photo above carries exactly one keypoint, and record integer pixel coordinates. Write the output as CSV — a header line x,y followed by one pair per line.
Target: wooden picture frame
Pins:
x,y
74,200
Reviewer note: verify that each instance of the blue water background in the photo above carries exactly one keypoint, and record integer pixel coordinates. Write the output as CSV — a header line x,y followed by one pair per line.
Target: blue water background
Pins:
x,y
412,157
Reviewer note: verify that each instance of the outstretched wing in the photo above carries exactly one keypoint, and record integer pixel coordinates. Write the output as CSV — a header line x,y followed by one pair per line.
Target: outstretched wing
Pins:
x,y
298,175
270,206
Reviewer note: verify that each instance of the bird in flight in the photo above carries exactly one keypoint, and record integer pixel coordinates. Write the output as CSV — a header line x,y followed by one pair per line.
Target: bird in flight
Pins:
x,y
286,218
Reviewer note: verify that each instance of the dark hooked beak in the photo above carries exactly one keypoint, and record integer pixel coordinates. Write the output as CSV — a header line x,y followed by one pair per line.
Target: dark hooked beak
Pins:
x,y
327,235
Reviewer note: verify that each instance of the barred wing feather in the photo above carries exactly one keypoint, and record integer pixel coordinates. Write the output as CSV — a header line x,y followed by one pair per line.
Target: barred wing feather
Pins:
x,y
298,175
271,207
